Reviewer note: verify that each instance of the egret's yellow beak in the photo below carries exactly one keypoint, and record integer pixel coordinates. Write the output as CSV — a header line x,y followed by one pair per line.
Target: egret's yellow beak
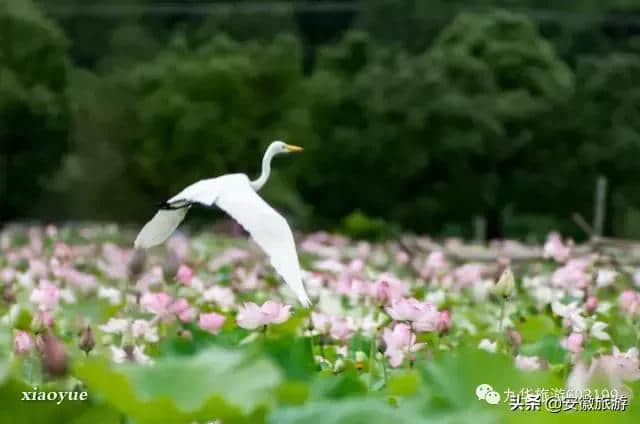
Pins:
x,y
292,148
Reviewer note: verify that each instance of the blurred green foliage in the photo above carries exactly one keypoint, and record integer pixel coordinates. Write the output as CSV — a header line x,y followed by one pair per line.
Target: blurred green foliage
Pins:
x,y
34,109
242,387
435,137
420,113
360,226
216,382
207,110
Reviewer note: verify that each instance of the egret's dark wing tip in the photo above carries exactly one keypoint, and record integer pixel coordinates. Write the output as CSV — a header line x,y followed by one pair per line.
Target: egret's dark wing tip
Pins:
x,y
173,205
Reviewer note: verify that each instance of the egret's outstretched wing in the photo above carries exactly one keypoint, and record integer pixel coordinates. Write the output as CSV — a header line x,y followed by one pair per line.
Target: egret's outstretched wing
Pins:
x,y
167,219
267,227
234,195
160,227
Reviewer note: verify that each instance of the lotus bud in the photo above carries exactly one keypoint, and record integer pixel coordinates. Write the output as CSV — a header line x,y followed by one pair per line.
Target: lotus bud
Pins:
x,y
54,354
514,337
136,265
506,284
444,322
87,341
171,264
8,294
383,291
591,304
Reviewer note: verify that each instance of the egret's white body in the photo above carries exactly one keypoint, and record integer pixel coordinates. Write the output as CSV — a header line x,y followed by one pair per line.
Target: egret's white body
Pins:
x,y
237,196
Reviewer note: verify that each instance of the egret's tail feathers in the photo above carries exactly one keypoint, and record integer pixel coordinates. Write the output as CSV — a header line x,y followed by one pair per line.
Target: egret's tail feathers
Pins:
x,y
160,227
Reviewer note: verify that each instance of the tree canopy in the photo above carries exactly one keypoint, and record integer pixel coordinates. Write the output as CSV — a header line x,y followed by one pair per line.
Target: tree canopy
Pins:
x,y
422,114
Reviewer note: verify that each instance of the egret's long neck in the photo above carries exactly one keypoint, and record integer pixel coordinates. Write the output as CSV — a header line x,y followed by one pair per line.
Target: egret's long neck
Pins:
x,y
266,170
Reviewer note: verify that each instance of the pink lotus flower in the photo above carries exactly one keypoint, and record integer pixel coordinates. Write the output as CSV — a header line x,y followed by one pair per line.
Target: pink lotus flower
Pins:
x,y
62,250
211,322
46,296
112,294
275,312
621,366
154,276
395,287
469,274
423,315
341,329
116,261
444,322
321,322
369,325
571,314
529,363
129,353
630,302
430,319
402,257
614,369
363,249
188,315
79,279
43,318
336,327
361,288
403,309
247,280
35,240
22,343
435,265
329,265
182,309
115,326
251,316
319,244
573,343
554,248
51,231
400,342
221,296
179,244
38,268
488,345
228,257
356,266
7,275
184,275
144,329
157,303
179,305
574,276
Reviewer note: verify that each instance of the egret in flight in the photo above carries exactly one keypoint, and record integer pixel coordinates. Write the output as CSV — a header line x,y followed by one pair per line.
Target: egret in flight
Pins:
x,y
236,195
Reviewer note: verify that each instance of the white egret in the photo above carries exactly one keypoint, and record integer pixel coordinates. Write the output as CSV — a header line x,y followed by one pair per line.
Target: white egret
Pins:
x,y
236,195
